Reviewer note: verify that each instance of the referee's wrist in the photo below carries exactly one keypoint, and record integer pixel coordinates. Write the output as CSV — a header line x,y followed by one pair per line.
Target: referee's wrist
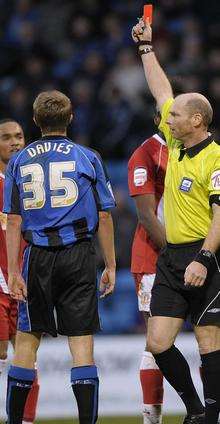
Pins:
x,y
144,47
205,257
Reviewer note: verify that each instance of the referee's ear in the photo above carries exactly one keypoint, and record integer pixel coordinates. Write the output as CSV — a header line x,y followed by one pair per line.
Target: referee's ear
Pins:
x,y
71,118
197,119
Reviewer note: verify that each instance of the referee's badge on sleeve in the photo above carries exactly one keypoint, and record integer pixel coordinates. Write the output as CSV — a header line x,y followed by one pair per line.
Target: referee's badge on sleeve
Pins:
x,y
140,176
215,178
186,184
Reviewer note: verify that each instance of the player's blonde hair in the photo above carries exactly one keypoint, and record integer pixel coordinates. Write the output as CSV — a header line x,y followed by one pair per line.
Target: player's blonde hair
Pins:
x,y
52,111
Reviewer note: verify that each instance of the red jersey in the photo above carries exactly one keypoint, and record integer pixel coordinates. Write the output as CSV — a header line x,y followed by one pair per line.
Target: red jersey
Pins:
x,y
146,174
3,252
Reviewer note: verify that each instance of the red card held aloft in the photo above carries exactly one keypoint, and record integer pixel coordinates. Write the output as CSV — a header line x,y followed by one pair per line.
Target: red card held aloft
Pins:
x,y
148,13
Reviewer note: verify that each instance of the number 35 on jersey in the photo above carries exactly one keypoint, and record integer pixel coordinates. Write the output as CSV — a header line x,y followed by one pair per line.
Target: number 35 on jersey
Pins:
x,y
63,191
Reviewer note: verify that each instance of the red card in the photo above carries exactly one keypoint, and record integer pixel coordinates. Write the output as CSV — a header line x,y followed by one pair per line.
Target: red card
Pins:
x,y
148,13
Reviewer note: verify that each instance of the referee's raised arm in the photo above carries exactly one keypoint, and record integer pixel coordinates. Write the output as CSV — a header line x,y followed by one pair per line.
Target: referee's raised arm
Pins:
x,y
157,80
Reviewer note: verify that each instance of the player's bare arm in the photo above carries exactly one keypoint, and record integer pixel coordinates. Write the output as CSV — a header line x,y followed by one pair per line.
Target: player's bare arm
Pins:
x,y
106,241
196,272
157,80
146,206
16,284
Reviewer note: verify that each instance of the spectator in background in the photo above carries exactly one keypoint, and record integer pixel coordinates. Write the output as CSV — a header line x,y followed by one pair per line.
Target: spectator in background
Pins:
x,y
114,121
93,68
82,95
35,74
91,41
114,37
128,77
22,27
18,105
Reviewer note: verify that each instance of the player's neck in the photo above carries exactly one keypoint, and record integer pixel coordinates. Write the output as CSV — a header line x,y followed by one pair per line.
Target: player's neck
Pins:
x,y
54,134
2,167
194,139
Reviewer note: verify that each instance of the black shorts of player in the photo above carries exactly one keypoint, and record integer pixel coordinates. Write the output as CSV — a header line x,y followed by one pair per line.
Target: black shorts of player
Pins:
x,y
61,280
171,298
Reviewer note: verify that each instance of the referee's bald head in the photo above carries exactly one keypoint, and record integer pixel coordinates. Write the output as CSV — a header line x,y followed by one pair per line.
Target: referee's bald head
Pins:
x,y
196,103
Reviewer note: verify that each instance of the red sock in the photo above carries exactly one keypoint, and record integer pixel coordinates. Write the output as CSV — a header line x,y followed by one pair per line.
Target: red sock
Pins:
x,y
151,381
31,403
152,386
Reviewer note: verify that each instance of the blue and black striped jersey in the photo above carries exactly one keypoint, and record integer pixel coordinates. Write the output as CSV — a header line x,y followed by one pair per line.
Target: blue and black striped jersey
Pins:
x,y
57,187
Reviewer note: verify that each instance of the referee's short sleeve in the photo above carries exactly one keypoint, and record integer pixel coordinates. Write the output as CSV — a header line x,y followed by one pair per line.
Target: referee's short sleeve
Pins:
x,y
214,181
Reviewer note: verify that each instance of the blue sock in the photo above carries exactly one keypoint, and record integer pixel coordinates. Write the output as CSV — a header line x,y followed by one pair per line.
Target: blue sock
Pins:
x,y
19,384
85,385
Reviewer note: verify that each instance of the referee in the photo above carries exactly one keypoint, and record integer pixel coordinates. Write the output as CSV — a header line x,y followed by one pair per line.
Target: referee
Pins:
x,y
58,195
188,272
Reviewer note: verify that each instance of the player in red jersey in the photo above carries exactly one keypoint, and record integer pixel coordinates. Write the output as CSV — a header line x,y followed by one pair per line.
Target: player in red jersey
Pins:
x,y
146,173
11,140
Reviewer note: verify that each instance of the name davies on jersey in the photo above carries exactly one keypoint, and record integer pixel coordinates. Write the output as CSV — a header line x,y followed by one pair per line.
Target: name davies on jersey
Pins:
x,y
47,146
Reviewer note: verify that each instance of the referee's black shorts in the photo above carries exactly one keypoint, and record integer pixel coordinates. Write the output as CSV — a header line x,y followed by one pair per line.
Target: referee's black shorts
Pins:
x,y
170,298
64,280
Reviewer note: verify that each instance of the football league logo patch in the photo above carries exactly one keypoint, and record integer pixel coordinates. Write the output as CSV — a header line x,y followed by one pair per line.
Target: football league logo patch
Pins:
x,y
186,185
140,176
215,178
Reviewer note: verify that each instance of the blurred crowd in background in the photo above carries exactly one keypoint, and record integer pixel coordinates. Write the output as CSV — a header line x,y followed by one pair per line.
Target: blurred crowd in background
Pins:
x,y
84,48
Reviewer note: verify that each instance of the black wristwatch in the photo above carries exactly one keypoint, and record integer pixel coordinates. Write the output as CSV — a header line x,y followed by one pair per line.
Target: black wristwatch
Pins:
x,y
205,257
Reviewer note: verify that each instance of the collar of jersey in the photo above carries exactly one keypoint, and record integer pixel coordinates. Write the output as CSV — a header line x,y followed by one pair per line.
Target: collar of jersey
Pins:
x,y
54,137
194,150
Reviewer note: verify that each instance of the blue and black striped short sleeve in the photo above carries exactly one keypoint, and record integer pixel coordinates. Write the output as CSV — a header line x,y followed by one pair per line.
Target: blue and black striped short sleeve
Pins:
x,y
11,192
104,194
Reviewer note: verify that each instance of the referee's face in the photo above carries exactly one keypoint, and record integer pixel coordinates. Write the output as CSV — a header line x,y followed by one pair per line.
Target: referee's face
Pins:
x,y
179,120
11,140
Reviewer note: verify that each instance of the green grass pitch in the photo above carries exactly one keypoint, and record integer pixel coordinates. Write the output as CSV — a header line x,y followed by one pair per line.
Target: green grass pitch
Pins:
x,y
116,420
